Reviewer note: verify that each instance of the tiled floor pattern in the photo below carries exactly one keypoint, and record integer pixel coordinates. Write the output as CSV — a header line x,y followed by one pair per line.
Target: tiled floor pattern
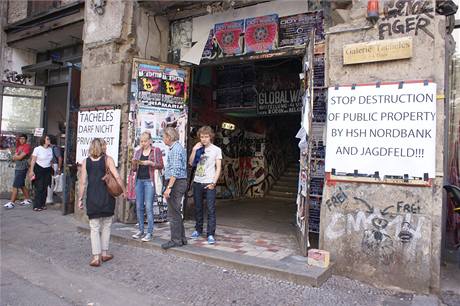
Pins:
x,y
236,240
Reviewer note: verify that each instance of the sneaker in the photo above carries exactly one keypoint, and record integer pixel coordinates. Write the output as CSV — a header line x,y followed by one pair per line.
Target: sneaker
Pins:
x,y
195,235
147,237
9,205
211,239
138,235
26,202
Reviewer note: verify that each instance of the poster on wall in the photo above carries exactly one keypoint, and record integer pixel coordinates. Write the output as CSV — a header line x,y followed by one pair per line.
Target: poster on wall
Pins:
x,y
155,119
150,85
389,128
174,88
261,33
103,124
229,37
161,87
211,48
278,90
294,30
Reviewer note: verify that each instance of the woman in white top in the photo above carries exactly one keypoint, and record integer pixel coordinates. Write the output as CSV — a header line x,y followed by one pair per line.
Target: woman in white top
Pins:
x,y
40,172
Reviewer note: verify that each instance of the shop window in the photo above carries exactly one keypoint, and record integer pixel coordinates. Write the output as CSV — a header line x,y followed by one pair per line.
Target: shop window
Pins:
x,y
21,109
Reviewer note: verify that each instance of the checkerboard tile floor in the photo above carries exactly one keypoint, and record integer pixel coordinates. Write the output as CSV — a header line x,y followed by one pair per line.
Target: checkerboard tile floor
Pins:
x,y
241,241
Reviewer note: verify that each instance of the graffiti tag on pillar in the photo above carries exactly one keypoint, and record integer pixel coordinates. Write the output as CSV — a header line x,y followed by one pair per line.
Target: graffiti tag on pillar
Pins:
x,y
405,17
337,199
402,207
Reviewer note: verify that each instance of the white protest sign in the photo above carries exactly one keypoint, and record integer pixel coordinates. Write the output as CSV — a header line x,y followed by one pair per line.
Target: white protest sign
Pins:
x,y
103,124
387,129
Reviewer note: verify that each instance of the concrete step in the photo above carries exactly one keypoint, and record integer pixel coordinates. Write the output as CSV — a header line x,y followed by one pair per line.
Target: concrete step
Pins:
x,y
293,268
284,188
283,194
287,180
291,173
269,197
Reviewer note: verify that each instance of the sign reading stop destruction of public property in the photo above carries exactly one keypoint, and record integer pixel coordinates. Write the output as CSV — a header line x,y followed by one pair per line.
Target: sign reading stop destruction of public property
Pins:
x,y
103,124
388,128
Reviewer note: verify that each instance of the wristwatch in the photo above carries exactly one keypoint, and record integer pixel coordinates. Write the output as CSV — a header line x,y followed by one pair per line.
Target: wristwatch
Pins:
x,y
169,187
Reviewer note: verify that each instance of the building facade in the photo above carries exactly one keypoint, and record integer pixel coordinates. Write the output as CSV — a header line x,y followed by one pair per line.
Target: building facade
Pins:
x,y
260,73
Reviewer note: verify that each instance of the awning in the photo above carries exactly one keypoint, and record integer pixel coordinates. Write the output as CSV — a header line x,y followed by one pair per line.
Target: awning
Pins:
x,y
50,64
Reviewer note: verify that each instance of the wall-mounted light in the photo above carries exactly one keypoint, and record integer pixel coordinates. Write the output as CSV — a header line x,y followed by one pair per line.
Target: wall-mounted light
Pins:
x,y
372,10
98,6
228,126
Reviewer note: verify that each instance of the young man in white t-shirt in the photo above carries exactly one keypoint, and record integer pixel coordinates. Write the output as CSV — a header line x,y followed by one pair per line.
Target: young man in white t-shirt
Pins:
x,y
206,176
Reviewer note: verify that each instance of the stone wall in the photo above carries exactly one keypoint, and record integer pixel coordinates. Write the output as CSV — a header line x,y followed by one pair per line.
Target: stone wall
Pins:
x,y
387,235
106,63
152,34
17,10
111,41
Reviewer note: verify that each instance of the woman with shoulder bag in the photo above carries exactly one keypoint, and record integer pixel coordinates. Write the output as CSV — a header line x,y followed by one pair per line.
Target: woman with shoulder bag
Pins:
x,y
146,160
100,205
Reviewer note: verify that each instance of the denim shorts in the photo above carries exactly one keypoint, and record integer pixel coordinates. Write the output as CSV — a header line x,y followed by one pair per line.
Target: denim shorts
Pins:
x,y
19,178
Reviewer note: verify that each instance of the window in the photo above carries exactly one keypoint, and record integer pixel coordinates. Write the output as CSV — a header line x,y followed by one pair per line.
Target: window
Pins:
x,y
21,110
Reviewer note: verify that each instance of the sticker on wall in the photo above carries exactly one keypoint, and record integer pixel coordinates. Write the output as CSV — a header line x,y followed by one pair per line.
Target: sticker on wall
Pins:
x,y
229,36
261,33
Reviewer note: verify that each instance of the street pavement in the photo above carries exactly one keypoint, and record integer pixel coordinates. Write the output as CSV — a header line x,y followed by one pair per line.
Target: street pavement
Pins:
x,y
44,261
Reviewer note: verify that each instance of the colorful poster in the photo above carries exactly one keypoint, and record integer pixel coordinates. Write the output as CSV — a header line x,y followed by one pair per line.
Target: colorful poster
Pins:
x,y
229,36
174,88
161,87
261,33
149,84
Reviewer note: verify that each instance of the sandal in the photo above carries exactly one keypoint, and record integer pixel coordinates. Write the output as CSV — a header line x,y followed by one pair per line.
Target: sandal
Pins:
x,y
106,257
37,209
95,262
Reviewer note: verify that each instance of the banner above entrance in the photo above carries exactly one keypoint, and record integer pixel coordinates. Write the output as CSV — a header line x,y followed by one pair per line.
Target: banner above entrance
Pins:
x,y
389,129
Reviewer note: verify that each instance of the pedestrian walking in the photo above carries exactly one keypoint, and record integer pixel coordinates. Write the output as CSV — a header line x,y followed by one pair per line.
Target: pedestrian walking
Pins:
x,y
176,186
40,172
204,183
56,165
21,160
146,161
100,205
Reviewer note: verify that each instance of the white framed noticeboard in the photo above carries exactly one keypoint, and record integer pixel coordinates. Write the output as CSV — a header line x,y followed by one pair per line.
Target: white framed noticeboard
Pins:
x,y
103,124
389,129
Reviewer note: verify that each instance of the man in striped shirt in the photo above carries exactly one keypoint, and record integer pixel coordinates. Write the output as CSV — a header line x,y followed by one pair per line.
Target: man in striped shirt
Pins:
x,y
176,186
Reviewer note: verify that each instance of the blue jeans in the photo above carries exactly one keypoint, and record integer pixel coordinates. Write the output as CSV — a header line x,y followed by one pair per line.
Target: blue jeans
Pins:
x,y
198,192
145,193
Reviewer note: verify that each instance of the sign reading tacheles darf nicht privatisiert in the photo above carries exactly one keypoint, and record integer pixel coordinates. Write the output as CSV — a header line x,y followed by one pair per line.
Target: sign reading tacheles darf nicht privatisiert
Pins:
x,y
103,124
389,128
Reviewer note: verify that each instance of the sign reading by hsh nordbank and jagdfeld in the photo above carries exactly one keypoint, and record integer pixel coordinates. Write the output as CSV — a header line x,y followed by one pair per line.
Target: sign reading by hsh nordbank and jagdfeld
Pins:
x,y
378,51
389,128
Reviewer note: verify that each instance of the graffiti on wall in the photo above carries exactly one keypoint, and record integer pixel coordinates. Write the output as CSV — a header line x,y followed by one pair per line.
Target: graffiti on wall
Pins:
x,y
407,17
250,164
383,233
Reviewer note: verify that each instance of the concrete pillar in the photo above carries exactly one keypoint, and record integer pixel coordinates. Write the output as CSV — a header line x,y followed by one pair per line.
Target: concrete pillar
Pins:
x,y
111,41
347,229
